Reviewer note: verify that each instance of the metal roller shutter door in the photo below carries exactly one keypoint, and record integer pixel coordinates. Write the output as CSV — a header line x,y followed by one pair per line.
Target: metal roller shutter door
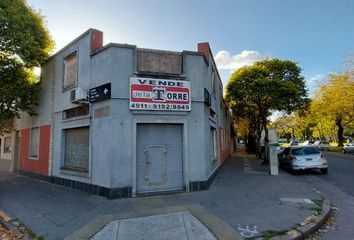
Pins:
x,y
159,157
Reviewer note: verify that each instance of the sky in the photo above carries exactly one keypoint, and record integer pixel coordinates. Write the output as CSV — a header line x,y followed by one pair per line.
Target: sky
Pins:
x,y
316,34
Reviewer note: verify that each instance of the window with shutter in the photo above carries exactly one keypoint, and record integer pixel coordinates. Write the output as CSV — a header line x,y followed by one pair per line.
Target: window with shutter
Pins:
x,y
77,149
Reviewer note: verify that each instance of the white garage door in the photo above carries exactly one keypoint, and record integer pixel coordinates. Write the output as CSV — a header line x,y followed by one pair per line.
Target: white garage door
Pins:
x,y
159,157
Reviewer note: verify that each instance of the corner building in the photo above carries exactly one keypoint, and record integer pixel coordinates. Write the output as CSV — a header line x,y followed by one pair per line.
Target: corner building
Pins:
x,y
119,121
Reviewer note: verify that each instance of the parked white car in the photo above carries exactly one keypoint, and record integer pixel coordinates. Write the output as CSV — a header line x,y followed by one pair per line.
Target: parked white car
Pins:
x,y
307,143
323,145
349,148
303,157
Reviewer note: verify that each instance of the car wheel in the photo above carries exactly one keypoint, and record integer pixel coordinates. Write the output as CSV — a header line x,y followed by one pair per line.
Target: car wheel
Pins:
x,y
324,170
343,151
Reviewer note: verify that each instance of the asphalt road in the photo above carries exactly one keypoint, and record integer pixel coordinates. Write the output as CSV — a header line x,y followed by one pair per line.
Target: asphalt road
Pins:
x,y
338,187
341,171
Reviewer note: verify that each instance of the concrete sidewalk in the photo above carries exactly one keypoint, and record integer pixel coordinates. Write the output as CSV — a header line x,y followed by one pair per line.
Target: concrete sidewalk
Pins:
x,y
243,200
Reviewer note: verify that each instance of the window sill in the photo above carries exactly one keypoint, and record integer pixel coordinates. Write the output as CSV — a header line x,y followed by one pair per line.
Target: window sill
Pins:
x,y
74,172
68,88
76,118
212,119
33,158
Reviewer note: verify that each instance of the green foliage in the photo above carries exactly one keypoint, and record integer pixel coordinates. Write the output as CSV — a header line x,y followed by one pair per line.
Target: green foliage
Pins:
x,y
269,85
24,43
319,206
333,105
336,149
330,115
18,90
23,33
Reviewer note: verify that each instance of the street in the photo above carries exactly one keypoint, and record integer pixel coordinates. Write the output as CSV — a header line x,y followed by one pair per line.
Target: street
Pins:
x,y
340,173
235,197
338,187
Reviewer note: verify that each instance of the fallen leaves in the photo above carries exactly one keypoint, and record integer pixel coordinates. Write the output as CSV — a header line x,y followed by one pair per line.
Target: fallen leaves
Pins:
x,y
309,219
6,234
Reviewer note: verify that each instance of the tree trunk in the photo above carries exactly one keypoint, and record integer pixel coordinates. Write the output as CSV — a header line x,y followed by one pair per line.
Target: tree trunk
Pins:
x,y
257,129
258,142
340,130
266,140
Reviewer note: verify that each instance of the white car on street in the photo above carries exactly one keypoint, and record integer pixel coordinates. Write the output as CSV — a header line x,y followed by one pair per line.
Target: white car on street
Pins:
x,y
349,148
323,145
303,157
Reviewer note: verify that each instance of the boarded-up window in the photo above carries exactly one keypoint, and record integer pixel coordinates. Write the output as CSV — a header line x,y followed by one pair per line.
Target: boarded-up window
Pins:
x,y
159,62
70,71
34,143
77,149
7,144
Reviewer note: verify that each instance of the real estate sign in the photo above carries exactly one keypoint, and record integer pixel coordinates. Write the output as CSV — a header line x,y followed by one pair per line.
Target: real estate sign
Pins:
x,y
159,94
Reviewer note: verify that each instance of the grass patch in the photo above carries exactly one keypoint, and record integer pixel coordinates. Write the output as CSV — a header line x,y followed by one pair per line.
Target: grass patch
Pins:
x,y
31,234
318,208
271,233
23,229
336,149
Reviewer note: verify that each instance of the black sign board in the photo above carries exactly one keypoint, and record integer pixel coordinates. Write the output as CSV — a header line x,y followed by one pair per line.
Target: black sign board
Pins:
x,y
100,93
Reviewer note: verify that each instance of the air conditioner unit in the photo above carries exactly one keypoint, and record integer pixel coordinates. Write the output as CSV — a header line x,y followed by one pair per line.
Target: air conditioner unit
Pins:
x,y
78,95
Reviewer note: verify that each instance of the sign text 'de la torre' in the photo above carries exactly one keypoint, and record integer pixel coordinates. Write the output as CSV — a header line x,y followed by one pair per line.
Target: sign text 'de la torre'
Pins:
x,y
159,94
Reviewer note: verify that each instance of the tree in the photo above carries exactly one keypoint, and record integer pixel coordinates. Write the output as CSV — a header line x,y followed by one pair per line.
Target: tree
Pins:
x,y
296,125
322,126
25,43
335,103
242,128
266,86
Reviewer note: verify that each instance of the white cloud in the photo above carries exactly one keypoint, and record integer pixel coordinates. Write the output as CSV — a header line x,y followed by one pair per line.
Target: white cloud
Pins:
x,y
316,77
245,58
313,83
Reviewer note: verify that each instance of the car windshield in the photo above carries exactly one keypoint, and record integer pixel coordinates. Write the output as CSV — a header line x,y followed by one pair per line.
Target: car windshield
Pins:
x,y
305,151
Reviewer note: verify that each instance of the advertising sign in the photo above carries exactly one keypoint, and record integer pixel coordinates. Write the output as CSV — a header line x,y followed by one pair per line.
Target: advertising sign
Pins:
x,y
159,94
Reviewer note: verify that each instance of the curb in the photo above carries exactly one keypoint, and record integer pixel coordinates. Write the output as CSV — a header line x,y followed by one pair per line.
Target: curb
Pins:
x,y
4,217
15,225
301,232
216,226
